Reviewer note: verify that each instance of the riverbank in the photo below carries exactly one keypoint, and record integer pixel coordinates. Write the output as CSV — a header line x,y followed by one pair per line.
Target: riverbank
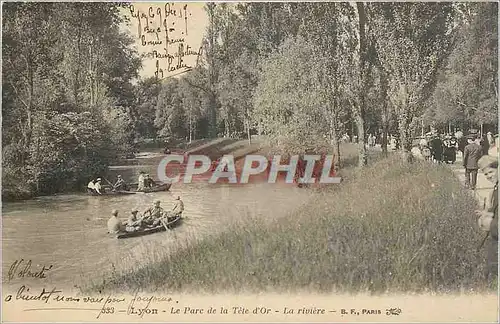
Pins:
x,y
21,190
214,148
484,189
391,228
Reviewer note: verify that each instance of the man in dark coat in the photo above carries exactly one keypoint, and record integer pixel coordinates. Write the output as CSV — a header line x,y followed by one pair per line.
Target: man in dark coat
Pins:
x,y
436,146
472,154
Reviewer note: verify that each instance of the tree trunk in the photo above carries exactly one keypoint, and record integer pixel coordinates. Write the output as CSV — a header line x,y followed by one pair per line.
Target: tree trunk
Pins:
x,y
385,112
91,72
336,146
384,131
76,81
227,127
362,153
190,128
361,102
247,125
212,132
29,108
404,138
211,38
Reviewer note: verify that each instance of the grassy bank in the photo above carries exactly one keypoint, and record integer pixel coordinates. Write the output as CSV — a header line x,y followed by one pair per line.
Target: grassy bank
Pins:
x,y
390,228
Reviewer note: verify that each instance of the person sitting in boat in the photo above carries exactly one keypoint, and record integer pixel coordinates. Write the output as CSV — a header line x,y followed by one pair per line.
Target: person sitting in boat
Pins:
x,y
91,187
133,223
140,184
155,214
98,187
120,184
115,226
148,182
178,208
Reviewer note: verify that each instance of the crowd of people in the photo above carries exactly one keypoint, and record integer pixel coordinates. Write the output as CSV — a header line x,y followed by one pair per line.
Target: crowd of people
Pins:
x,y
152,217
440,148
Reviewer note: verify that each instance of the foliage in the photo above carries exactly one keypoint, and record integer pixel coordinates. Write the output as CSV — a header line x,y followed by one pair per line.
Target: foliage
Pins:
x,y
289,96
411,41
467,87
67,90
144,110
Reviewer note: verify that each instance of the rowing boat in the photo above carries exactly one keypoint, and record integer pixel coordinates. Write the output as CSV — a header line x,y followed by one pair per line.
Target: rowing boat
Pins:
x,y
112,193
151,230
156,188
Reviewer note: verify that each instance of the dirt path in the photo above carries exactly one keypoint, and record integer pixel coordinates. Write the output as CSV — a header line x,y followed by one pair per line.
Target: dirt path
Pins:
x,y
483,186
482,194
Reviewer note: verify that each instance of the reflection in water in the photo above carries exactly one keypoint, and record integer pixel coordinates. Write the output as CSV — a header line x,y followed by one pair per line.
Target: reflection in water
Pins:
x,y
69,231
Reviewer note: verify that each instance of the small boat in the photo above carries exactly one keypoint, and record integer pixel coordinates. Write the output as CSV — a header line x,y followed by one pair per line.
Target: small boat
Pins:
x,y
156,188
112,193
133,188
151,230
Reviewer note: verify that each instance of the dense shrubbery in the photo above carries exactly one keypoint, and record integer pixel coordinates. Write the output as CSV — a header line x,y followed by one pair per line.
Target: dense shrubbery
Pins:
x,y
67,74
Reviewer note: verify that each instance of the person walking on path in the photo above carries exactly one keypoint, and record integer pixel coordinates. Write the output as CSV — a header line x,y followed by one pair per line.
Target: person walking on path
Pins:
x,y
472,154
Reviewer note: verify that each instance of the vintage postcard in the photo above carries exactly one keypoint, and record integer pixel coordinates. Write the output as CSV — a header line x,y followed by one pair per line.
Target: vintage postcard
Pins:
x,y
249,162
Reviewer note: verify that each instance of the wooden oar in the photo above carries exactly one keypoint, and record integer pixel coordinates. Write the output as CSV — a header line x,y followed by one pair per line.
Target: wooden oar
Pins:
x,y
164,224
112,185
109,182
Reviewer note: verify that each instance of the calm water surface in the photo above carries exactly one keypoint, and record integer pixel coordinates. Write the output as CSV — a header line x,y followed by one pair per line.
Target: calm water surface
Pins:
x,y
69,231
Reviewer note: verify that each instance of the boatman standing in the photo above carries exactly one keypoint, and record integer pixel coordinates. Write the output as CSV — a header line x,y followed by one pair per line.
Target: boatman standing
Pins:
x,y
148,181
140,185
178,207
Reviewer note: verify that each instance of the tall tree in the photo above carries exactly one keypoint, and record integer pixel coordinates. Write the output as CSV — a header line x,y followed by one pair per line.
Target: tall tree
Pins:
x,y
289,98
466,93
67,75
412,41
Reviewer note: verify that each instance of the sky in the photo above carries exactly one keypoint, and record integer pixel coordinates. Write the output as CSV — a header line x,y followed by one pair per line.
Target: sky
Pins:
x,y
186,22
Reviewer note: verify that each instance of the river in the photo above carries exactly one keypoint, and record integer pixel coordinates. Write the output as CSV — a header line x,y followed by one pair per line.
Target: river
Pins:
x,y
69,231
